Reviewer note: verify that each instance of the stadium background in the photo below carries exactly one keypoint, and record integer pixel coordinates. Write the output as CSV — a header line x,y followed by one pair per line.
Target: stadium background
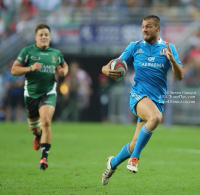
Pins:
x,y
90,33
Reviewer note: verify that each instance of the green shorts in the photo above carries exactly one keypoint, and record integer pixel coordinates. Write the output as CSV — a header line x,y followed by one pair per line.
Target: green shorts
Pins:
x,y
32,105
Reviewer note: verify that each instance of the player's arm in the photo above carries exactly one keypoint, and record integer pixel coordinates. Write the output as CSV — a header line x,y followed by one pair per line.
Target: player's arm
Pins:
x,y
126,56
113,74
18,68
63,70
177,70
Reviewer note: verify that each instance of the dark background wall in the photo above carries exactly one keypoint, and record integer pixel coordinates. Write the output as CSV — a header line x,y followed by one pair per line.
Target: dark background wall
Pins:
x,y
92,65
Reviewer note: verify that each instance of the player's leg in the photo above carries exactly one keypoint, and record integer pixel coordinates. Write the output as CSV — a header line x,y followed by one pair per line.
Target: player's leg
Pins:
x,y
148,111
113,162
46,115
127,149
31,106
125,153
137,132
35,128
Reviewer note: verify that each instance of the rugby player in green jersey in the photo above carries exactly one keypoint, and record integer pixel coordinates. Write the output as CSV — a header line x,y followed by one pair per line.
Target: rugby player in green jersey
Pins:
x,y
39,62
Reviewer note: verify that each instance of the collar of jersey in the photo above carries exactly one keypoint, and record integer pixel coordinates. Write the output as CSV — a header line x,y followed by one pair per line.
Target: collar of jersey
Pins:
x,y
40,48
160,41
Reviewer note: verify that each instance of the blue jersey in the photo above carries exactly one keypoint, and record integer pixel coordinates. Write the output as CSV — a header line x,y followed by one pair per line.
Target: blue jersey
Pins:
x,y
151,66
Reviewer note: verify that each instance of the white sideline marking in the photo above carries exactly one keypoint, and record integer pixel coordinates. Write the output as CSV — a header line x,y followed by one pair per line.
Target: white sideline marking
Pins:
x,y
187,150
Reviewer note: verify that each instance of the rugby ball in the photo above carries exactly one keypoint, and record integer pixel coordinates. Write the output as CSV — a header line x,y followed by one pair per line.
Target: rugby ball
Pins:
x,y
120,65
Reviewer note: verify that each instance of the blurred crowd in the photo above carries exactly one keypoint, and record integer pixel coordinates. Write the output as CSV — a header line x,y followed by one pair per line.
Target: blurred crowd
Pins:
x,y
11,97
16,14
192,61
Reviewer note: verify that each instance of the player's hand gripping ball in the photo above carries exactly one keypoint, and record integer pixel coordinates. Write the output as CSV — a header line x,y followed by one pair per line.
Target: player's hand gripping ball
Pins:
x,y
121,66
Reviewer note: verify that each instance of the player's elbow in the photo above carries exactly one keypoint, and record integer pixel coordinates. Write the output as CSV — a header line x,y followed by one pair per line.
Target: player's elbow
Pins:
x,y
13,71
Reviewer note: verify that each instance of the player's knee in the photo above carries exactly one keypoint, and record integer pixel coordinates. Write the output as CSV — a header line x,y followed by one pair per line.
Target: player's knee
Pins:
x,y
34,130
34,126
156,118
134,140
46,122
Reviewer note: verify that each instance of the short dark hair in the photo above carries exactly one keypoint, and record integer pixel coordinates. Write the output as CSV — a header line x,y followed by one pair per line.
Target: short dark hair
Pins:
x,y
41,25
156,19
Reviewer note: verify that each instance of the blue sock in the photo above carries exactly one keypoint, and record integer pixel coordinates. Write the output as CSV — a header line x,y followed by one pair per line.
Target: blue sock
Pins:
x,y
122,156
143,139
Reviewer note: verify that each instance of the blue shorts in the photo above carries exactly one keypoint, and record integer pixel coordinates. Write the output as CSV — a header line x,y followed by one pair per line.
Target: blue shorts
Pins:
x,y
135,97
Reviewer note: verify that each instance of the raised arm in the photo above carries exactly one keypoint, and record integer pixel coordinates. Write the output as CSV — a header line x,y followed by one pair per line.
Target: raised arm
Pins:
x,y
177,70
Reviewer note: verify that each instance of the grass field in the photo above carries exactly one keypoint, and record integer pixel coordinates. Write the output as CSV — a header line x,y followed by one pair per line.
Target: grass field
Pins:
x,y
170,164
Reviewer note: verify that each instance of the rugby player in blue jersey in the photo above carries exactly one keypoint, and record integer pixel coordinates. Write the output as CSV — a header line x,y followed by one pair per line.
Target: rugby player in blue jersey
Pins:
x,y
152,58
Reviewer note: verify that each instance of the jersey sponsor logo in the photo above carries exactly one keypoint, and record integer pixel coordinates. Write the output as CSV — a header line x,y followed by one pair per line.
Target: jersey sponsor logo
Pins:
x,y
151,59
35,57
48,69
163,51
19,58
46,54
140,51
153,64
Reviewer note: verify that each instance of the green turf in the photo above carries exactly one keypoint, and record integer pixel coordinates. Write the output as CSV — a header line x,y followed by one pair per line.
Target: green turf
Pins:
x,y
170,164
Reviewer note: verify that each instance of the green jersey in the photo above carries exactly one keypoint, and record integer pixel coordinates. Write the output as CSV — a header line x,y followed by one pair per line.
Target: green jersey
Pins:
x,y
40,82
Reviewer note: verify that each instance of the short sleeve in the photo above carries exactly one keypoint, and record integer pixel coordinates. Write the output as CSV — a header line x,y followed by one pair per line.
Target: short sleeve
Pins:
x,y
23,56
175,54
127,55
61,59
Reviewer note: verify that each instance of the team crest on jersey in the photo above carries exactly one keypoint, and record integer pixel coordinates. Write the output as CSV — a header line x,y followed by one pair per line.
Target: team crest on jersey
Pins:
x,y
35,57
163,52
53,59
